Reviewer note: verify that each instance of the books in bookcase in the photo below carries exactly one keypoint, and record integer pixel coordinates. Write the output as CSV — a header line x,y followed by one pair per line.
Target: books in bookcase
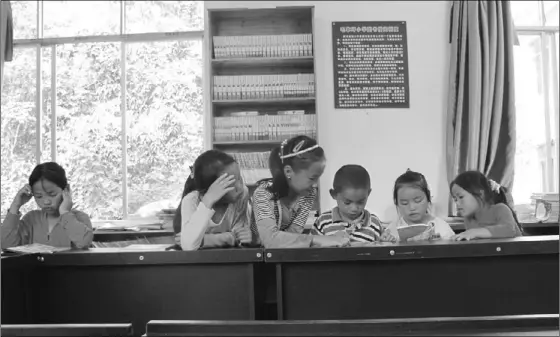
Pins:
x,y
287,45
264,127
254,87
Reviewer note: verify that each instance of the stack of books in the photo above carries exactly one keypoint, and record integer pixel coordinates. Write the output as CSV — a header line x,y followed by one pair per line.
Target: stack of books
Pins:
x,y
295,45
254,127
253,165
280,86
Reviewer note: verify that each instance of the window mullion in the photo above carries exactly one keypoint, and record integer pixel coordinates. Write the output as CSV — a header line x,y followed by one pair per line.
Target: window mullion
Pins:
x,y
123,116
554,90
39,86
53,103
548,137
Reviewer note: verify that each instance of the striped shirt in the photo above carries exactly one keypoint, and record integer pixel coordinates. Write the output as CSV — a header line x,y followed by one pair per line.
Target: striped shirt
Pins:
x,y
367,228
279,227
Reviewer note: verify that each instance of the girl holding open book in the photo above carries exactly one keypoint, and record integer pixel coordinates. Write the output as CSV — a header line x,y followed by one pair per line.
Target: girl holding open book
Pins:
x,y
56,223
415,223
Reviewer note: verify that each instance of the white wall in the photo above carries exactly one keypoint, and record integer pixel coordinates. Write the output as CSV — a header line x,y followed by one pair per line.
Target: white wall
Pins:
x,y
384,141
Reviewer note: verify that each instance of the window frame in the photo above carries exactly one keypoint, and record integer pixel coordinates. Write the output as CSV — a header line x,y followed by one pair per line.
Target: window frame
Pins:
x,y
39,42
552,114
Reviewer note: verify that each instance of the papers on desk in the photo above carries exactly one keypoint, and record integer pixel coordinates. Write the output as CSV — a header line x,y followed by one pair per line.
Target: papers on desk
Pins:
x,y
37,248
132,248
131,225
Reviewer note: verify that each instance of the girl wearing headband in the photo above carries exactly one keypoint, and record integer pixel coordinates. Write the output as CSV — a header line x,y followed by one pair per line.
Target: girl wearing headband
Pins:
x,y
282,204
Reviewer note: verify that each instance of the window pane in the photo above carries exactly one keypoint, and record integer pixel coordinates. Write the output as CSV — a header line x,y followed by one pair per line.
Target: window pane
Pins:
x,y
18,121
530,123
80,18
165,113
551,13
164,16
526,13
89,126
24,14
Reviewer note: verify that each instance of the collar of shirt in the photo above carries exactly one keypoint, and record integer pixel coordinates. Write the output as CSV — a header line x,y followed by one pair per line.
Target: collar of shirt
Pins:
x,y
359,222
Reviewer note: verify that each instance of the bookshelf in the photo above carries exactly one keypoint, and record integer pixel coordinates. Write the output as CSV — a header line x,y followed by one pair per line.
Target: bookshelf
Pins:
x,y
261,82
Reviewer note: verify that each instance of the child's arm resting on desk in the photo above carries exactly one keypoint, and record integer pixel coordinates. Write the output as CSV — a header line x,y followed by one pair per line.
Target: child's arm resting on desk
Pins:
x,y
270,235
78,228
194,221
505,227
16,231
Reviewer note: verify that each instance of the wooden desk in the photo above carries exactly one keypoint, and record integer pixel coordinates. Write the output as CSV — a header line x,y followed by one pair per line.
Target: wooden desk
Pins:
x,y
17,272
440,279
121,287
112,330
536,325
108,236
529,228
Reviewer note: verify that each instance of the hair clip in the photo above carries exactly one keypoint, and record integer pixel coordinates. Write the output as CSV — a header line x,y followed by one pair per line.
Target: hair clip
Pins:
x,y
297,150
281,154
192,172
494,185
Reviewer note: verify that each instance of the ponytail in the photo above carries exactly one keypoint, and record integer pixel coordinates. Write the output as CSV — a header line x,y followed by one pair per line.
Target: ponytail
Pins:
x,y
189,187
502,196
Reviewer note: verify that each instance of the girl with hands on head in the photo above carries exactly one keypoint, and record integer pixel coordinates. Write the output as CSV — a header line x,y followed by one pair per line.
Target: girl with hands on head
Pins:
x,y
214,210
56,223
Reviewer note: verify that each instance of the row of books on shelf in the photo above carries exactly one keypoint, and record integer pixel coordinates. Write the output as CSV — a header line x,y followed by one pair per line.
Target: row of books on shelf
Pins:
x,y
253,165
263,86
293,45
267,127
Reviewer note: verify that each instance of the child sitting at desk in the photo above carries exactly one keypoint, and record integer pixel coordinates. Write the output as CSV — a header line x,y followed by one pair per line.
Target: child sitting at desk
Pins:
x,y
351,189
282,204
214,210
412,198
56,223
483,204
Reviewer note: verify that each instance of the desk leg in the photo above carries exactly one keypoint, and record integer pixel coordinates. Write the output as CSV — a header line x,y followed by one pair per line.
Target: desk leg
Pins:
x,y
279,293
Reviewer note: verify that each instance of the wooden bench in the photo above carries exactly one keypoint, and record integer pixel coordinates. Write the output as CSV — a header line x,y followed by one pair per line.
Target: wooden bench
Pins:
x,y
536,325
111,330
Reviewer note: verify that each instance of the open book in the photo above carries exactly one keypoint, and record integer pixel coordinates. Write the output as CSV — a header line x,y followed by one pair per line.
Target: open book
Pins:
x,y
407,232
37,248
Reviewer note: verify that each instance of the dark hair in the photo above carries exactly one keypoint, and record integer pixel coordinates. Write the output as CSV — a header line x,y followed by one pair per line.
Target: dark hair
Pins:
x,y
206,169
280,187
480,187
412,179
354,176
50,171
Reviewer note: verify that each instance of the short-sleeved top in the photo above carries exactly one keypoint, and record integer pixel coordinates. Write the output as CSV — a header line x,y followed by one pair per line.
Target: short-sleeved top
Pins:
x,y
498,219
366,228
266,207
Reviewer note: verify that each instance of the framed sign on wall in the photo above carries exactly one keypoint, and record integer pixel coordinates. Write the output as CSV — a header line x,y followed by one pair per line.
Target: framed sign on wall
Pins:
x,y
370,62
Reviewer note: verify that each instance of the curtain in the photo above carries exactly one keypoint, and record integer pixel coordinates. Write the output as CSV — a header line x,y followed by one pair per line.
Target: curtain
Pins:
x,y
6,36
481,106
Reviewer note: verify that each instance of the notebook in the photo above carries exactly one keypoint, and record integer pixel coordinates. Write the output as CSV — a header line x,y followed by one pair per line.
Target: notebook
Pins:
x,y
37,248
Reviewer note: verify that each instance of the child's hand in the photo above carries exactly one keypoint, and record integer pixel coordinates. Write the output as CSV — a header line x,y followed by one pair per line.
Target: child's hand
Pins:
x,y
242,235
22,197
218,189
386,236
471,234
66,204
330,241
